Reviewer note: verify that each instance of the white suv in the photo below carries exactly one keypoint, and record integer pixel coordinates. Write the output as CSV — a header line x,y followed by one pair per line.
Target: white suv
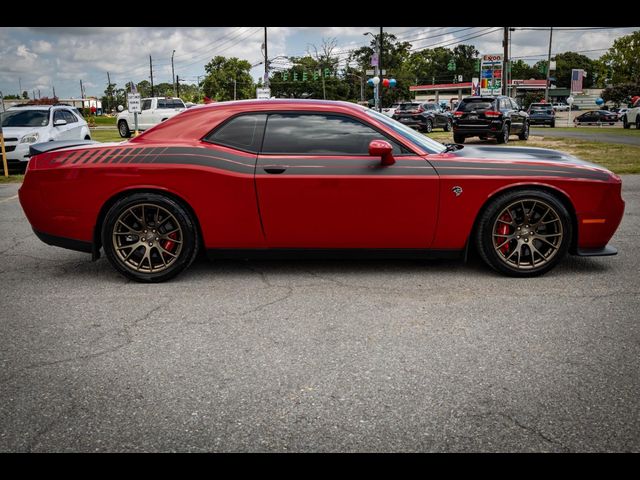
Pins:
x,y
632,116
26,125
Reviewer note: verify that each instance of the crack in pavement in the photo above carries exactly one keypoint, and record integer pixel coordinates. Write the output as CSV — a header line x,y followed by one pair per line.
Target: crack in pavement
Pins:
x,y
272,302
129,339
535,431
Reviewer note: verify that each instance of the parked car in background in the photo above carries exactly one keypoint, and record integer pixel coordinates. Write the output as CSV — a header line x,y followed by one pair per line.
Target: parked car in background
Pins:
x,y
154,111
23,126
391,110
596,117
490,117
561,107
542,114
424,116
280,177
574,107
632,116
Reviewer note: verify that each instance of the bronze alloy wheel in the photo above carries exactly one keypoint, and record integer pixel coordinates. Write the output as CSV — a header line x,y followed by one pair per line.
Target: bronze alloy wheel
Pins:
x,y
527,234
147,238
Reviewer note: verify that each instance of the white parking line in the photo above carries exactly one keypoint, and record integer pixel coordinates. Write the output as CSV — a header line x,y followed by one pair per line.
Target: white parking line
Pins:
x,y
10,198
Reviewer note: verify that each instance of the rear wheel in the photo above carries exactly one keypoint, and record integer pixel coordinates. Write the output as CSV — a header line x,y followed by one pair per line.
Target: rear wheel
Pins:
x,y
524,233
524,135
638,123
503,136
148,237
428,126
553,124
458,138
123,129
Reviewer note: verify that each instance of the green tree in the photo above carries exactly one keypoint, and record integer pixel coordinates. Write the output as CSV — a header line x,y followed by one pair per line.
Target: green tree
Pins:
x,y
624,59
521,70
226,75
567,61
621,93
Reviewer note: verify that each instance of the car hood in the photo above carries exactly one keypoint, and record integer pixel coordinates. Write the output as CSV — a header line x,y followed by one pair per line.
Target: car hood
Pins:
x,y
524,155
19,132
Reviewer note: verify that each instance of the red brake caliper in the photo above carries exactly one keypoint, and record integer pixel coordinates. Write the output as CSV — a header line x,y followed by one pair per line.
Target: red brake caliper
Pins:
x,y
168,244
503,229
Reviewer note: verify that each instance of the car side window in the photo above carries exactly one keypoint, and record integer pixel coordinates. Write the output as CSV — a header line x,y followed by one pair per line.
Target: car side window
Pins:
x,y
504,105
146,105
514,104
243,132
162,104
58,115
320,134
69,117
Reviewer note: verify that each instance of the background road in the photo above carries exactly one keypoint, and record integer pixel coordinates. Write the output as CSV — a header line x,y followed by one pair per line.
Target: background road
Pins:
x,y
317,356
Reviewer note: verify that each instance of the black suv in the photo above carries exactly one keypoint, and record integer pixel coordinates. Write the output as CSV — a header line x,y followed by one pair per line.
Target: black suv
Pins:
x,y
423,116
484,117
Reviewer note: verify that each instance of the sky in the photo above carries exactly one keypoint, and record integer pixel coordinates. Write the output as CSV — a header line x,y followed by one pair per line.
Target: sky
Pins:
x,y
39,58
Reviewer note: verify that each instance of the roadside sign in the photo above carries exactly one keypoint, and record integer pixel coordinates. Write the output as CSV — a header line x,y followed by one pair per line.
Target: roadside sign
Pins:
x,y
373,72
491,74
263,93
133,102
374,60
475,86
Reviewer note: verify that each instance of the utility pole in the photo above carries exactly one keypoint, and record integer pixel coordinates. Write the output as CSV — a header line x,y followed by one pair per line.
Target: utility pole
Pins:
x,y
151,74
266,61
81,90
380,70
110,91
505,63
198,79
173,76
177,85
546,88
53,87
39,96
20,85
234,88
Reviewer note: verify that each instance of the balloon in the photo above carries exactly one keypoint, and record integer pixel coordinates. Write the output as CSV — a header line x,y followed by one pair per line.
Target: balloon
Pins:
x,y
392,82
599,101
385,82
370,82
376,80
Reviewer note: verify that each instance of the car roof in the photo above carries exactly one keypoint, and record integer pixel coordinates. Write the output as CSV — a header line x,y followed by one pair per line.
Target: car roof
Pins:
x,y
30,107
283,101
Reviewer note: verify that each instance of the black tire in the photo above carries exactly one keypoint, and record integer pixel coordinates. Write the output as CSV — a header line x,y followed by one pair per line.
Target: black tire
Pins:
x,y
87,137
484,234
458,138
123,129
188,232
448,126
638,123
503,137
483,137
625,122
553,124
428,126
524,135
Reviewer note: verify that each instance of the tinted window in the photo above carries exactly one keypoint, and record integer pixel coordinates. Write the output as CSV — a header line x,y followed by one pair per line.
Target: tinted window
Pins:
x,y
469,105
25,118
162,104
69,117
429,106
408,106
243,132
318,134
175,103
407,133
146,104
59,115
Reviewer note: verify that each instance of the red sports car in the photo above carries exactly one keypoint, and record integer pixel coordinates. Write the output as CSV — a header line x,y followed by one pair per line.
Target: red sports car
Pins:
x,y
310,176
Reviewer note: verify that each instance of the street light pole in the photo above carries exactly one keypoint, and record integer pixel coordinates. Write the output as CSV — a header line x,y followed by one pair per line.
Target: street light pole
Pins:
x,y
266,61
380,70
173,75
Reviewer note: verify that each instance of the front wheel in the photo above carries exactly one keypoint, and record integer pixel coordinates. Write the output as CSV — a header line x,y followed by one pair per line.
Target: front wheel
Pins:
x,y
123,129
428,126
448,126
524,233
524,135
625,122
149,237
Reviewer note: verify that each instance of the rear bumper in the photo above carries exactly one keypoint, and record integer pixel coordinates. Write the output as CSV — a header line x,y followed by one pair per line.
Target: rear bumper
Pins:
x,y
68,243
605,251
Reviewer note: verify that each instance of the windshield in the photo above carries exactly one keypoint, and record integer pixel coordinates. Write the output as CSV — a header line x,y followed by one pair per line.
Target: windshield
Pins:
x,y
408,106
25,118
426,143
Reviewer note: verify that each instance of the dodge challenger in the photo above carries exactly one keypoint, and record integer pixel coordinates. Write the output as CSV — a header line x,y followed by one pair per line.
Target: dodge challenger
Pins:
x,y
304,177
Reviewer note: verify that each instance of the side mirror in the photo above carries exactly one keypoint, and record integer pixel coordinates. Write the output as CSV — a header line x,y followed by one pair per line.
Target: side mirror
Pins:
x,y
59,123
383,149
120,108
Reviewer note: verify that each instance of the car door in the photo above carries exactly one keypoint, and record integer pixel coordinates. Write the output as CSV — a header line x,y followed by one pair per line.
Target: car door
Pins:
x,y
508,111
145,115
522,115
60,132
318,187
74,130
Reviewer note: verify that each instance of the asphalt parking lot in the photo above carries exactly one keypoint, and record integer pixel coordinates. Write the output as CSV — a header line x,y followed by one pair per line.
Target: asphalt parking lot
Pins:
x,y
318,355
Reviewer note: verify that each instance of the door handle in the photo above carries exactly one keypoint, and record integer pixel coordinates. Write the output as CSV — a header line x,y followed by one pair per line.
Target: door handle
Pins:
x,y
274,169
